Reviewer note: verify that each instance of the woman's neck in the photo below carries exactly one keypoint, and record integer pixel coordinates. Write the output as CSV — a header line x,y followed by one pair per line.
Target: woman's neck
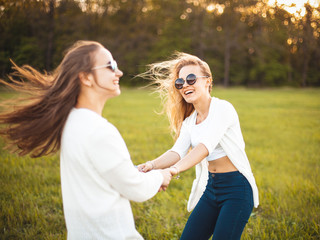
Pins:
x,y
202,108
90,102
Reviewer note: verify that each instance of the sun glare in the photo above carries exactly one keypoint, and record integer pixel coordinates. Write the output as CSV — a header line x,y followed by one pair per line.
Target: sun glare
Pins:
x,y
295,7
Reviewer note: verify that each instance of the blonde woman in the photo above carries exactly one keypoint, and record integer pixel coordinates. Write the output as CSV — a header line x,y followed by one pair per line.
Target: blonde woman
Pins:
x,y
224,181
64,112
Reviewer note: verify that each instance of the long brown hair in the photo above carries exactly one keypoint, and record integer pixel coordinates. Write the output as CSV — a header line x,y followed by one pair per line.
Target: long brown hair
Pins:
x,y
36,126
163,75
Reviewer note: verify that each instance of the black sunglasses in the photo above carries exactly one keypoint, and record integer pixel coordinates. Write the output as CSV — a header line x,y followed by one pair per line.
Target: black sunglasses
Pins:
x,y
113,66
190,79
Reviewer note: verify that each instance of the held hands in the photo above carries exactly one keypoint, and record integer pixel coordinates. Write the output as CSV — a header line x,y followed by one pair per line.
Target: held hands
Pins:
x,y
174,171
167,173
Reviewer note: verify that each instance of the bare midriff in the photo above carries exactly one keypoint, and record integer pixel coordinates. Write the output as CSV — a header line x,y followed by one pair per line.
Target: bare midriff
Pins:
x,y
221,165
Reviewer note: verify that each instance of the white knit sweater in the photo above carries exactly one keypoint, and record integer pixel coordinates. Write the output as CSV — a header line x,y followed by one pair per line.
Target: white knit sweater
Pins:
x,y
98,179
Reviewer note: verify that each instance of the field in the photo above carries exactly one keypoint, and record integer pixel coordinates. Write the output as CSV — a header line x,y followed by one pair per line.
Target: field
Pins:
x,y
281,128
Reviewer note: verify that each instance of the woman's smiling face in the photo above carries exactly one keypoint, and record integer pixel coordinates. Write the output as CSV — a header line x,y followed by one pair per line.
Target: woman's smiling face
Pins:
x,y
191,93
105,78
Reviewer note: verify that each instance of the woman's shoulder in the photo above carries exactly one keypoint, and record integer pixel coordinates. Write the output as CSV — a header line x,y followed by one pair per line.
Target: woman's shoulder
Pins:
x,y
220,101
221,104
223,108
86,116
89,121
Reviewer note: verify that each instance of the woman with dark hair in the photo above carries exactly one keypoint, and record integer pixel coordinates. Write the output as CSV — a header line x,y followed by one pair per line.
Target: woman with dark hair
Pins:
x,y
210,126
64,112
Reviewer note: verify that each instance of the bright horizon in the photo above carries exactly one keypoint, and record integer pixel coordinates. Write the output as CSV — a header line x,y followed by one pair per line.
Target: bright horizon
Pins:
x,y
298,9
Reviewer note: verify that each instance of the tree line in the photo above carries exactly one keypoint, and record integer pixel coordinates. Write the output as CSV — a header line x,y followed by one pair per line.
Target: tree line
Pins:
x,y
245,42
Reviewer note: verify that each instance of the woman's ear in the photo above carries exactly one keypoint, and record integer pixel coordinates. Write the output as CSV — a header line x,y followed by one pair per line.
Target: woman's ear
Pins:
x,y
209,81
86,79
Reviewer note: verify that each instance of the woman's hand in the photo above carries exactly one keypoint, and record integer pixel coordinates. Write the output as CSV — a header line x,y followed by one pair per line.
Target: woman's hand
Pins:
x,y
146,167
174,171
166,179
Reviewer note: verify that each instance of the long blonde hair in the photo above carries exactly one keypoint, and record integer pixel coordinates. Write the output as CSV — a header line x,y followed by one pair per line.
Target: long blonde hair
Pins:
x,y
36,126
163,75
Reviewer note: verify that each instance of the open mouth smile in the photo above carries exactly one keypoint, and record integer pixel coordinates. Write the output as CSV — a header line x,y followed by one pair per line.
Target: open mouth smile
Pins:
x,y
188,92
116,82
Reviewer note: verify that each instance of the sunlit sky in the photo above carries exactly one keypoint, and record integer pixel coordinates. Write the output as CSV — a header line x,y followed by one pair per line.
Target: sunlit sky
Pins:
x,y
295,7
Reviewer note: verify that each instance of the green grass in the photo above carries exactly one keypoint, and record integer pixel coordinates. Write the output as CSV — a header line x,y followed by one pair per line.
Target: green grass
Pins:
x,y
281,128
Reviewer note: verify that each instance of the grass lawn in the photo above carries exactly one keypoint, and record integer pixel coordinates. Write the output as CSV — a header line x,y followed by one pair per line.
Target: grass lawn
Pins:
x,y
281,128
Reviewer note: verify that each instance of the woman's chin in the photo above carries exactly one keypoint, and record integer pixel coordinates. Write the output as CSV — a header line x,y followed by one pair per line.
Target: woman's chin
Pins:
x,y
118,92
114,93
189,99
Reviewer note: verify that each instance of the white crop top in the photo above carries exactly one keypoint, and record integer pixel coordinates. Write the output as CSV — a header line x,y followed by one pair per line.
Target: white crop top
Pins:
x,y
191,134
217,153
197,130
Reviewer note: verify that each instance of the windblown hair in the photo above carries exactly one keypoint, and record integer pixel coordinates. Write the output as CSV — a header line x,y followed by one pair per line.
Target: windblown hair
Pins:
x,y
35,124
163,75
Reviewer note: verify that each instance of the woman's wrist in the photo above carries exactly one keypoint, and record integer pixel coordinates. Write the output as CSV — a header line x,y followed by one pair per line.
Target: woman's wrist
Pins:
x,y
153,166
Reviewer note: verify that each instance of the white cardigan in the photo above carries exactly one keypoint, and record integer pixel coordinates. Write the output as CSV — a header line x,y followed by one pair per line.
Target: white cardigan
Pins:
x,y
98,179
220,127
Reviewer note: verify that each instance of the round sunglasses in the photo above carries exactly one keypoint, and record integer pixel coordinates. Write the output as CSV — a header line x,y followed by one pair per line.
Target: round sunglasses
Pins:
x,y
113,66
190,79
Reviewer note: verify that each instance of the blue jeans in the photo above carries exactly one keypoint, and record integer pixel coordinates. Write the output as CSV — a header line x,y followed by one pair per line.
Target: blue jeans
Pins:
x,y
223,210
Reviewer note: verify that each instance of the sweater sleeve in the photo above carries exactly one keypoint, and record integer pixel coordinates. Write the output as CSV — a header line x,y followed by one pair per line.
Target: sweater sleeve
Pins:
x,y
222,118
132,184
109,155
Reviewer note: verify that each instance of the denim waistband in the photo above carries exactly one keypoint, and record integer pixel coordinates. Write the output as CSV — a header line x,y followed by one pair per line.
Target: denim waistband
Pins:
x,y
223,175
227,179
